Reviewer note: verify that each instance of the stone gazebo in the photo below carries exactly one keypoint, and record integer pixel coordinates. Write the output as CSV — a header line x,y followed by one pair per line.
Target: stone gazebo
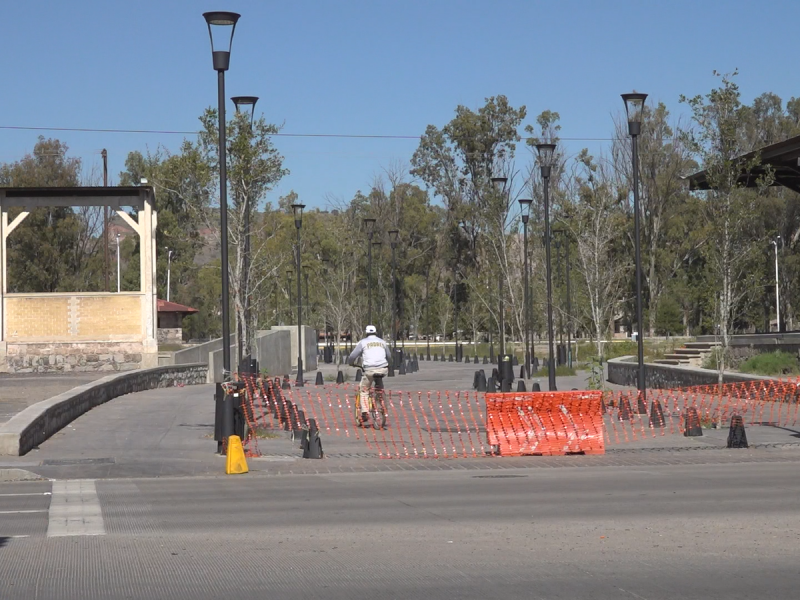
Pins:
x,y
83,331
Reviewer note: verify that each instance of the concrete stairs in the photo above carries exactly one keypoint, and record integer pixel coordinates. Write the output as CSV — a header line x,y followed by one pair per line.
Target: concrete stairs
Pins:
x,y
690,354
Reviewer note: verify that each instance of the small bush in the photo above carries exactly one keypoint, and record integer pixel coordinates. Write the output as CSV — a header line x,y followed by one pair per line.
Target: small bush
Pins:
x,y
771,363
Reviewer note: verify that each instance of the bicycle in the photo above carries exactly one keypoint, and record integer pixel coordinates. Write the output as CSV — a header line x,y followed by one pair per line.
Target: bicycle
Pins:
x,y
375,405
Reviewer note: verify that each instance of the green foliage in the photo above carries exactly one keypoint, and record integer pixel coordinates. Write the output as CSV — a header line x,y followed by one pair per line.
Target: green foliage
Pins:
x,y
53,249
561,371
597,380
771,363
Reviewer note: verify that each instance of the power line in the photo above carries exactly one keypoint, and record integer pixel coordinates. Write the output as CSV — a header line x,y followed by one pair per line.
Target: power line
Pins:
x,y
288,135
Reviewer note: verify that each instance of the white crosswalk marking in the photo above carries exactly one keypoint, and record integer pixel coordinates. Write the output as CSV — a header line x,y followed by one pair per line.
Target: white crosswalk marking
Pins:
x,y
75,509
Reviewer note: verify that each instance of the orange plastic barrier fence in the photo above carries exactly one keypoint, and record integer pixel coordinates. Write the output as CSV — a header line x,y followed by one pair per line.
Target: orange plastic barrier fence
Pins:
x,y
546,423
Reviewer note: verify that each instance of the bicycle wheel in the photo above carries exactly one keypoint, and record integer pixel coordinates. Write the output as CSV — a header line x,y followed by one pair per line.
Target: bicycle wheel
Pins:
x,y
377,411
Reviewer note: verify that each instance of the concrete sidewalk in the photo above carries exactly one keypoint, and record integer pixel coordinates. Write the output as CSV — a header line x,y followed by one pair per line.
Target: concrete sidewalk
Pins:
x,y
168,432
18,392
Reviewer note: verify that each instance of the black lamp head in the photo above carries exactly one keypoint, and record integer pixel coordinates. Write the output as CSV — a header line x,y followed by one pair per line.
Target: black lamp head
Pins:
x,y
221,25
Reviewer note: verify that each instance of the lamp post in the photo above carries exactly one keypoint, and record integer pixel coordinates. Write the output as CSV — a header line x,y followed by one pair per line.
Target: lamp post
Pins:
x,y
394,237
634,108
298,223
169,268
118,267
525,206
428,316
221,26
243,103
377,245
325,265
499,184
777,286
545,163
306,271
369,224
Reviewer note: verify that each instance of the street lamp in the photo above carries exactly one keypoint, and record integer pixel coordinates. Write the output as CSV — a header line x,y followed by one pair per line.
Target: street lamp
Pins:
x,y
221,26
118,266
777,287
499,184
298,223
242,104
634,108
325,266
306,271
369,225
525,206
377,245
394,237
169,268
545,163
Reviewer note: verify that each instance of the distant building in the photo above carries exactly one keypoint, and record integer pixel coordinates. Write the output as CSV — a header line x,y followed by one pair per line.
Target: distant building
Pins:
x,y
170,321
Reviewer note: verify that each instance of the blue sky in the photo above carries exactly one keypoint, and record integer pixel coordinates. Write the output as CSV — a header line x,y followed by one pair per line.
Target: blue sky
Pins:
x,y
370,67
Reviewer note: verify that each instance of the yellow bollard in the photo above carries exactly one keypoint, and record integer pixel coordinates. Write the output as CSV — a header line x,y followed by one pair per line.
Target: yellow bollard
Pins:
x,y
235,462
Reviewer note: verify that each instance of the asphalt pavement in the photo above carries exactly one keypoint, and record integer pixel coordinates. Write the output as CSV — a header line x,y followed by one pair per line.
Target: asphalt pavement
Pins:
x,y
655,532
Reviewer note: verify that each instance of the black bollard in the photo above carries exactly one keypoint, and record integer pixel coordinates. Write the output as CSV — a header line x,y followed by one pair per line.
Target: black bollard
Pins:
x,y
737,438
486,360
481,387
536,387
286,385
490,386
311,444
402,370
691,421
450,359
522,372
476,359
435,357
656,415
320,380
358,375
521,386
340,377
475,379
514,361
625,411
641,407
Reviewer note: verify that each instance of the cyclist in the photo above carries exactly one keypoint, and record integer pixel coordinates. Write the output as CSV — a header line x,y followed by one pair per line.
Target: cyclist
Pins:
x,y
375,356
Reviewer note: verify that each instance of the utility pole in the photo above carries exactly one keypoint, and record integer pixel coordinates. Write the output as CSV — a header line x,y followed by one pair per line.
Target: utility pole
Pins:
x,y
104,154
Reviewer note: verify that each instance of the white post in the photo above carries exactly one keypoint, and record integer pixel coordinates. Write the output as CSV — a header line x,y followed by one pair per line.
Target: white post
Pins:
x,y
118,269
777,287
169,266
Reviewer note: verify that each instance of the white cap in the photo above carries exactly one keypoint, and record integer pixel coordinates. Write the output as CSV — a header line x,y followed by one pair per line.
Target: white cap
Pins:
x,y
371,329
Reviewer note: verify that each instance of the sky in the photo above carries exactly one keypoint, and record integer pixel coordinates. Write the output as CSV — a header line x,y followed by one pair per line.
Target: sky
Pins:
x,y
370,67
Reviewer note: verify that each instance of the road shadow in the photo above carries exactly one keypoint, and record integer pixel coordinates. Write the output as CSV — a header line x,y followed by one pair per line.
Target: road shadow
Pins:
x,y
794,432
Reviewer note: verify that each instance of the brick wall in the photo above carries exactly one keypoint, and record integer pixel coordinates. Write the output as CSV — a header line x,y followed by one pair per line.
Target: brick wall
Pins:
x,y
74,317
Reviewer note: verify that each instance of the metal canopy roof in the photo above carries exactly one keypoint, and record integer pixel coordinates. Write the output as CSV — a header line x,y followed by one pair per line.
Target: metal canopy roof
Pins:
x,y
783,158
115,197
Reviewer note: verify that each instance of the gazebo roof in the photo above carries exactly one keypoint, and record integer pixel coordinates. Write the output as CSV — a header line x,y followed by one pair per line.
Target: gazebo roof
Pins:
x,y
783,158
174,307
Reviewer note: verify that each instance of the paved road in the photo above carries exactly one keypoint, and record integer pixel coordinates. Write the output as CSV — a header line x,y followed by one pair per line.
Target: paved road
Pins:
x,y
658,532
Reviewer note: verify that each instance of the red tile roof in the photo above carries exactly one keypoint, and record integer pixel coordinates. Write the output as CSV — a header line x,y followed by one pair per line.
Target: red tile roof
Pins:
x,y
164,306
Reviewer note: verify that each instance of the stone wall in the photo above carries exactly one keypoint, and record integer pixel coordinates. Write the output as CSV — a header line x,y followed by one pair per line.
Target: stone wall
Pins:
x,y
624,371
170,335
79,356
273,353
39,421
